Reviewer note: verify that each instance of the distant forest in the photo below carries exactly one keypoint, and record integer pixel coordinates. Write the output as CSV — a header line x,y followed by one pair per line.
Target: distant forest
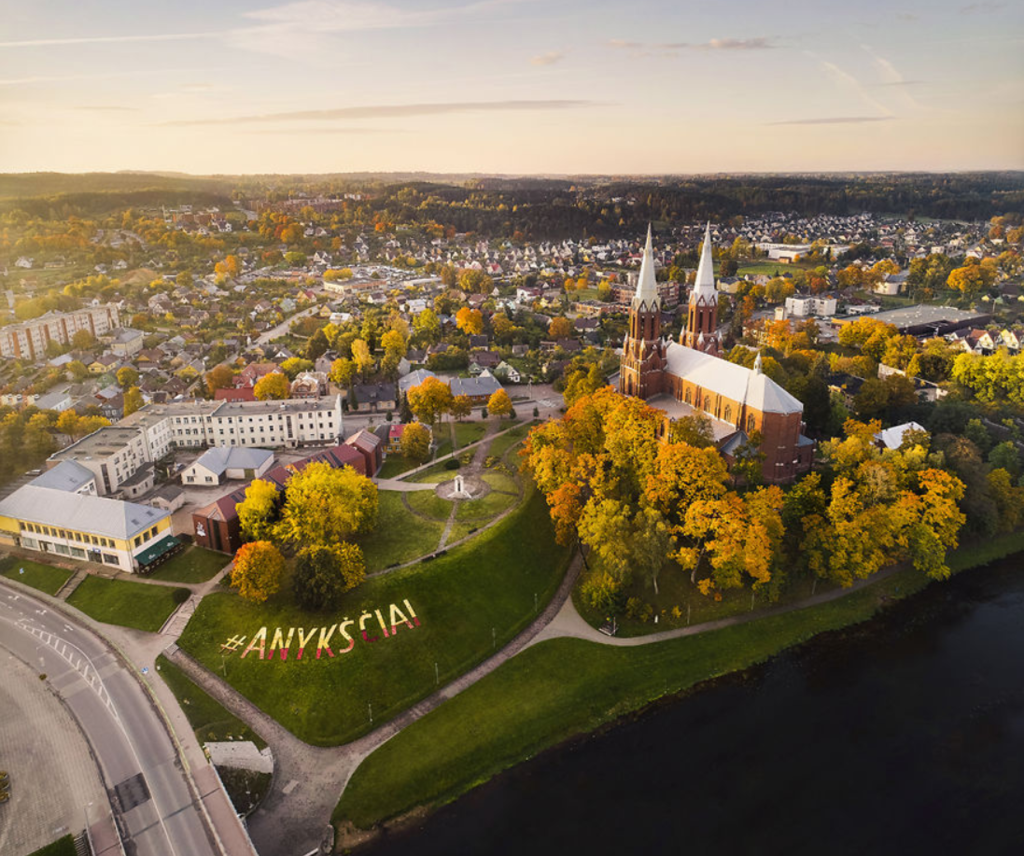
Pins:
x,y
533,208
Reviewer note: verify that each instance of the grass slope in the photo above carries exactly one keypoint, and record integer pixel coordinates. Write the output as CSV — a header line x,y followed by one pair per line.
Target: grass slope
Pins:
x,y
459,598
206,715
191,565
42,577
130,604
469,432
399,536
566,687
429,503
61,847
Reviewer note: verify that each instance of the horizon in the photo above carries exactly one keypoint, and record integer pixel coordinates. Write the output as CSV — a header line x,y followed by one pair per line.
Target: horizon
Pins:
x,y
512,88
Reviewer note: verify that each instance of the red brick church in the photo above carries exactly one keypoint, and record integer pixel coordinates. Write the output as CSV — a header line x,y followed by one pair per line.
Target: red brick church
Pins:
x,y
689,377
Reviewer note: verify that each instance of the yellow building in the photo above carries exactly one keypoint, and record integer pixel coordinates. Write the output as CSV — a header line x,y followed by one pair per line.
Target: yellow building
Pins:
x,y
126,535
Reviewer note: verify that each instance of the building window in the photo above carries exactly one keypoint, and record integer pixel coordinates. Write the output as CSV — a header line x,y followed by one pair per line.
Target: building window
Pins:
x,y
110,559
750,424
78,553
728,413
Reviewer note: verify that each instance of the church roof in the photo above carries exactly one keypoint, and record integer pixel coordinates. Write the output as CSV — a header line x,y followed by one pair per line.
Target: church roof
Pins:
x,y
647,284
704,284
742,385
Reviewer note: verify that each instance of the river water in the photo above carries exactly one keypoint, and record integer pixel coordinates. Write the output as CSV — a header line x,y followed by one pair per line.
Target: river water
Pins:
x,y
902,735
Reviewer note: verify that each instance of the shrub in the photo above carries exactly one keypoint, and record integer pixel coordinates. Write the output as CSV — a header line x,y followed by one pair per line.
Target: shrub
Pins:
x,y
181,595
637,609
452,464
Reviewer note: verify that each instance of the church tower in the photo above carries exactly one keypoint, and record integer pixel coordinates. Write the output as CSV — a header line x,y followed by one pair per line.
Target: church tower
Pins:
x,y
643,360
702,314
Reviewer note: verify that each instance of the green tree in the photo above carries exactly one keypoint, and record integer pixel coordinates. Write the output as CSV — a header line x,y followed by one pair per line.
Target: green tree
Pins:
x,y
324,573
127,377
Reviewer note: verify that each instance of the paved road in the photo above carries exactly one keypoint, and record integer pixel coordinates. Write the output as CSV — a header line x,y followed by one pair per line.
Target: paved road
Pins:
x,y
138,761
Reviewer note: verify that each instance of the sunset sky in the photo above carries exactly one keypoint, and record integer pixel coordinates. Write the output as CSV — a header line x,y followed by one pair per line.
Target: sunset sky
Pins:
x,y
511,86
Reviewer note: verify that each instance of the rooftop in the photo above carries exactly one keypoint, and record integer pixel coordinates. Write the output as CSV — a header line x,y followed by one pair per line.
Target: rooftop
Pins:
x,y
95,515
67,475
99,444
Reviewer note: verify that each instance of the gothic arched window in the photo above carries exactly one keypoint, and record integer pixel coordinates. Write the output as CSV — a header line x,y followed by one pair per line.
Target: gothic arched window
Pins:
x,y
750,424
728,413
689,396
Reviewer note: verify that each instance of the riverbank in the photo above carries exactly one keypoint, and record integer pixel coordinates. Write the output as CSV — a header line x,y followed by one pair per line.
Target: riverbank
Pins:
x,y
564,688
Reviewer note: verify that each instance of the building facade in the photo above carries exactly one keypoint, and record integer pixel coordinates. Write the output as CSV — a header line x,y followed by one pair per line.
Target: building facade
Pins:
x,y
29,339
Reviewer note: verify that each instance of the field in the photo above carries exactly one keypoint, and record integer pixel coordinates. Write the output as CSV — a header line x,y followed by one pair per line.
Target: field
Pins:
x,y
474,598
123,602
429,503
400,536
43,577
469,432
191,565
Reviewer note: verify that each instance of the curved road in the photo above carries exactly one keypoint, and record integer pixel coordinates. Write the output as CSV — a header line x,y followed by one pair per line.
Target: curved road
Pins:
x,y
139,763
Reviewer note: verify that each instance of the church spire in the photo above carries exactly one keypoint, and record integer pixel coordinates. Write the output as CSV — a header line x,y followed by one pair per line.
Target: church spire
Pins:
x,y
704,284
646,284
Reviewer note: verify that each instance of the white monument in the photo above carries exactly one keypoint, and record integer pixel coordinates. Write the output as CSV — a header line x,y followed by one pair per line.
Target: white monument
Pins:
x,y
459,489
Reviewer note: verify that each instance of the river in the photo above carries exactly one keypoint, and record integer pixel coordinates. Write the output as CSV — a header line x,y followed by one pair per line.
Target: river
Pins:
x,y
901,735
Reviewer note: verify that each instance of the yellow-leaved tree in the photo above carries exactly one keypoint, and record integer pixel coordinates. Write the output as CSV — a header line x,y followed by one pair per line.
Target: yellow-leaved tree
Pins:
x,y
324,505
257,570
258,511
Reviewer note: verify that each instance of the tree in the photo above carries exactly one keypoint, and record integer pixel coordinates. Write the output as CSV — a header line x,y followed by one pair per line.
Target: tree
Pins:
x,y
257,570
69,423
324,573
127,377
133,400
462,406
415,443
324,505
293,366
343,371
83,340
499,404
317,345
427,326
560,328
394,344
78,370
651,543
430,399
272,386
362,357
258,511
1004,456
470,321
219,377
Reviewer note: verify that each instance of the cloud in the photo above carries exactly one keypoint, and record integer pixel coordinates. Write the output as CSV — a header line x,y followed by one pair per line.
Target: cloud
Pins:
x,y
96,40
892,77
107,108
390,111
902,83
851,83
673,48
304,26
982,8
549,58
344,131
835,120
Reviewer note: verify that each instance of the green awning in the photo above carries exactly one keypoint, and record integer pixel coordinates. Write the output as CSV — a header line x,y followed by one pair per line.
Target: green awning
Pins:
x,y
155,551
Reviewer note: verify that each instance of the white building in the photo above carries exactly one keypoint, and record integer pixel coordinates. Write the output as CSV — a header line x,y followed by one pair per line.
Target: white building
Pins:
x,y
807,305
115,454
228,462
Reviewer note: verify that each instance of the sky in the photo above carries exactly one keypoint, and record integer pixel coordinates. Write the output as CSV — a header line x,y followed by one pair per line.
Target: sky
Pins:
x,y
511,86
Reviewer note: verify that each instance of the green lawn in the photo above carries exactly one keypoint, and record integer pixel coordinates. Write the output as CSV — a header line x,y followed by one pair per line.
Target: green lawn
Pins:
x,y
500,481
206,715
395,465
489,584
770,268
444,448
43,577
434,475
61,847
461,530
565,687
486,507
399,536
500,445
191,565
559,689
130,604
469,432
429,503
